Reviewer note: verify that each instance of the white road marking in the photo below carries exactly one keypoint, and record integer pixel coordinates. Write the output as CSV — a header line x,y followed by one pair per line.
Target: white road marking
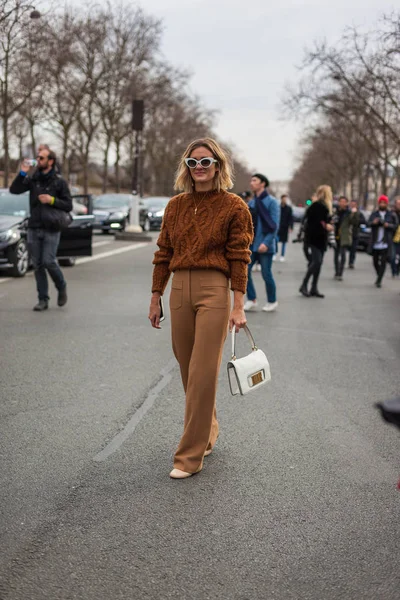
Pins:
x,y
87,259
141,412
98,244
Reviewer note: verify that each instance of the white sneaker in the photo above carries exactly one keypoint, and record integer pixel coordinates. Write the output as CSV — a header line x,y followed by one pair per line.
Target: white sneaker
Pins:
x,y
250,305
282,259
270,307
257,267
274,257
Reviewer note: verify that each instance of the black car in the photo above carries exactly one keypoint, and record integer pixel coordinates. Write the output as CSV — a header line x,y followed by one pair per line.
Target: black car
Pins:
x,y
14,255
111,212
364,232
151,212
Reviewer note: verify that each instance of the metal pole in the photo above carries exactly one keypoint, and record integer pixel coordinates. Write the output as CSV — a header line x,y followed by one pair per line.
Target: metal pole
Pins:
x,y
135,177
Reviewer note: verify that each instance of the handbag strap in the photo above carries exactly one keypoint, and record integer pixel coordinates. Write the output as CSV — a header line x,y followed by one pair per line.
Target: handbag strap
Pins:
x,y
250,338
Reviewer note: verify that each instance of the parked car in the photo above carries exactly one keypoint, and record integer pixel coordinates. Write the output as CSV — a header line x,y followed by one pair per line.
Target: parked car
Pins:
x,y
111,212
298,213
14,213
364,232
151,212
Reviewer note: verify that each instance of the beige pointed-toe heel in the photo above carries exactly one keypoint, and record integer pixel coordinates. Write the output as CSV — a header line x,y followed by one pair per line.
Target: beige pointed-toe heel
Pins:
x,y
178,474
208,452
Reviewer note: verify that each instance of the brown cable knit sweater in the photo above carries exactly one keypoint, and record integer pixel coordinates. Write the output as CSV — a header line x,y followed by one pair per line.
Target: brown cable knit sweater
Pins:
x,y
217,237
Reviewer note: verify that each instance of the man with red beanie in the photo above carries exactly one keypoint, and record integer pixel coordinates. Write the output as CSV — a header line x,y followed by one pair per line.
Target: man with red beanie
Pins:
x,y
383,223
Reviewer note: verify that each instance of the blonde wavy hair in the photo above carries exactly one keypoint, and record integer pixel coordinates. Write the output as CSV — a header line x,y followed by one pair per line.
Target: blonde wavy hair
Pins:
x,y
223,176
324,193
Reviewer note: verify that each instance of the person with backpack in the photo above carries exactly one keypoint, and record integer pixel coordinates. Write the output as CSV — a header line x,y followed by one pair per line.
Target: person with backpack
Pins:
x,y
50,204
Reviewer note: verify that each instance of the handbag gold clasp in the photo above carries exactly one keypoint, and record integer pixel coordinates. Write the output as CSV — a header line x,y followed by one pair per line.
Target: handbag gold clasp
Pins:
x,y
257,378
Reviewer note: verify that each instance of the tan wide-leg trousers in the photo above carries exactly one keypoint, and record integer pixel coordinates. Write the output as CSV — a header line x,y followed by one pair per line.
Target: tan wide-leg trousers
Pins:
x,y
200,305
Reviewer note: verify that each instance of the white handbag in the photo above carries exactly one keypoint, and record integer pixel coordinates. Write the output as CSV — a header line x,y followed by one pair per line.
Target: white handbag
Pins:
x,y
250,372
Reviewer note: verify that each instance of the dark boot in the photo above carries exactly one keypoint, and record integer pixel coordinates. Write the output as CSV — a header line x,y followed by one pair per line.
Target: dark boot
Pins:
x,y
62,297
41,305
303,290
316,294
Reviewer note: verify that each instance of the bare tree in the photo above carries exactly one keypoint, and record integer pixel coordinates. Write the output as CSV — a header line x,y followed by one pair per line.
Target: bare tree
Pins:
x,y
357,83
15,24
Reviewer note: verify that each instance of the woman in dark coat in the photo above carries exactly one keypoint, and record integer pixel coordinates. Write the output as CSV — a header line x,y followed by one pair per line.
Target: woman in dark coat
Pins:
x,y
286,223
316,234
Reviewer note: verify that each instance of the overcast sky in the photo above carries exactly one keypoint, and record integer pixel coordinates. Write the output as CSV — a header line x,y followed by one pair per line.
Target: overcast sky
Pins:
x,y
242,52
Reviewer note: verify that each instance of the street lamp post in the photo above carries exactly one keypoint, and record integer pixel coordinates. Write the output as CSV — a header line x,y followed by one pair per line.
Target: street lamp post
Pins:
x,y
134,231
137,128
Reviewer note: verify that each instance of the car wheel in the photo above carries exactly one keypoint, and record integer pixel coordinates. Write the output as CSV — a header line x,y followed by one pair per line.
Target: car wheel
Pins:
x,y
147,226
105,231
67,262
19,257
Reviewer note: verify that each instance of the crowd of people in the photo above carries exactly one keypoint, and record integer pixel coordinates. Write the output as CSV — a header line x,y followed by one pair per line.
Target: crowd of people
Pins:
x,y
325,224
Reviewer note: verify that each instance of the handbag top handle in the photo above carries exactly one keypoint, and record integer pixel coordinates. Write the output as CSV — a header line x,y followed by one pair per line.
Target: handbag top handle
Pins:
x,y
250,338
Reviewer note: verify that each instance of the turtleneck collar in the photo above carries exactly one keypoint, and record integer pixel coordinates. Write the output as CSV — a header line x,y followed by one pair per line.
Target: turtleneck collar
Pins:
x,y
205,194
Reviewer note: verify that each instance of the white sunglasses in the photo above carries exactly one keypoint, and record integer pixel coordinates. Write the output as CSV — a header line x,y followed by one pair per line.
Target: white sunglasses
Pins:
x,y
204,162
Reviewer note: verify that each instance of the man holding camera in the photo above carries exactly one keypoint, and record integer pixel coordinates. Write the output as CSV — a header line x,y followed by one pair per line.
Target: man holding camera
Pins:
x,y
383,223
50,202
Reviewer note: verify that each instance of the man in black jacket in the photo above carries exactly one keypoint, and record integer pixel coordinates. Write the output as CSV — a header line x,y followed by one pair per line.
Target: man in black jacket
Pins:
x,y
286,224
47,192
383,223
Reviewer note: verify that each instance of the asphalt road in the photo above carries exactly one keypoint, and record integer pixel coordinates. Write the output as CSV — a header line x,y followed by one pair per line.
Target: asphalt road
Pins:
x,y
298,500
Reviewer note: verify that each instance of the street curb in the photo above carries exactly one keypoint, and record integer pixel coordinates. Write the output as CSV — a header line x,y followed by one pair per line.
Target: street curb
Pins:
x,y
133,236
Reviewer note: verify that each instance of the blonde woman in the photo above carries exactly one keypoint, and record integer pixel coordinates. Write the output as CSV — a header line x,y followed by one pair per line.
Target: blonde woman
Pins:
x,y
316,237
204,241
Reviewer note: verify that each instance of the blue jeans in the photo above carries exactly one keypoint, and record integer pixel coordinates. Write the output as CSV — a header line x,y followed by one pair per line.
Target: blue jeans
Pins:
x,y
283,251
265,261
43,247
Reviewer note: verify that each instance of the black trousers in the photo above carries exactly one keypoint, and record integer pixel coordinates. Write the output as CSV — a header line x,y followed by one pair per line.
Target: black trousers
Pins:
x,y
380,260
307,252
353,251
340,259
314,268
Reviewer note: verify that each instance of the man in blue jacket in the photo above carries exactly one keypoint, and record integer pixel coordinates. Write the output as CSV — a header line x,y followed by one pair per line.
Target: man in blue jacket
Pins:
x,y
265,212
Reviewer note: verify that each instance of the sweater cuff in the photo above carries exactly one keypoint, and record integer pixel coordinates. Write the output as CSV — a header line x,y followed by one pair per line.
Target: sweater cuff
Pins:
x,y
239,271
161,274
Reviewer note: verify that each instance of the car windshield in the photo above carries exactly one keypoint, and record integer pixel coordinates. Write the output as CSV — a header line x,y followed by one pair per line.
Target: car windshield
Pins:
x,y
154,202
112,201
14,205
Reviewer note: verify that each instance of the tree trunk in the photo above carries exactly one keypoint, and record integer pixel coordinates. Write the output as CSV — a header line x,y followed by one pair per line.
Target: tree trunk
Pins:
x,y
105,166
33,140
6,152
65,160
117,172
384,182
86,173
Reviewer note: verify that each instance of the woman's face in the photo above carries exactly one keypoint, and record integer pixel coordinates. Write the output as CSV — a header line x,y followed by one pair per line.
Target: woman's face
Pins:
x,y
199,173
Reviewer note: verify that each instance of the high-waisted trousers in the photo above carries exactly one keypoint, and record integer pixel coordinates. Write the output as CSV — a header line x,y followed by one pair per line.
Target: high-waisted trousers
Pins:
x,y
200,305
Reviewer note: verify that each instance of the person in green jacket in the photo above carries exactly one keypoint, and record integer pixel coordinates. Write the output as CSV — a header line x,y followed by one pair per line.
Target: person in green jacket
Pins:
x,y
343,221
